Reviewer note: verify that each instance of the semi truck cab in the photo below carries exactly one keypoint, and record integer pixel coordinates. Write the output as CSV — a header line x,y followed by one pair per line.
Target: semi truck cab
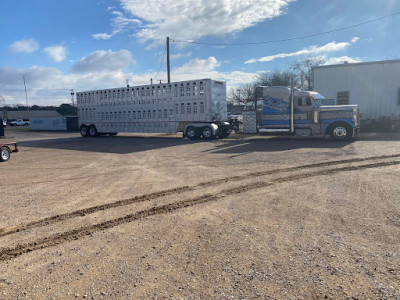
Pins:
x,y
282,109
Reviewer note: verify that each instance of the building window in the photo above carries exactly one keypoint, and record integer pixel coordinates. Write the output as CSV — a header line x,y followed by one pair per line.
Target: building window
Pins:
x,y
299,101
343,98
308,101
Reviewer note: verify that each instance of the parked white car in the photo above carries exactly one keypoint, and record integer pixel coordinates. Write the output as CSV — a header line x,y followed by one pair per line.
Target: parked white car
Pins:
x,y
19,122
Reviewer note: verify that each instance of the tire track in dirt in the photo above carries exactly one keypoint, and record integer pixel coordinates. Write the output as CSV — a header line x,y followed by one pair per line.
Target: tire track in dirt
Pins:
x,y
90,210
56,239
155,195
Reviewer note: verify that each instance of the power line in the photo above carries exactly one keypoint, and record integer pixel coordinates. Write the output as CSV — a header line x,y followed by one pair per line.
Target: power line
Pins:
x,y
288,39
162,60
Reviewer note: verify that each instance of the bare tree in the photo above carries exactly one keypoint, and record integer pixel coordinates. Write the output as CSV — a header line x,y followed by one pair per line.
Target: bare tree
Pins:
x,y
304,68
243,94
275,78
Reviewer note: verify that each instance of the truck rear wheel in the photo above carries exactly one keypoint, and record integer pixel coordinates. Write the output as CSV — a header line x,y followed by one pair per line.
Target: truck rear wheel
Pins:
x,y
84,131
207,133
340,131
192,133
5,153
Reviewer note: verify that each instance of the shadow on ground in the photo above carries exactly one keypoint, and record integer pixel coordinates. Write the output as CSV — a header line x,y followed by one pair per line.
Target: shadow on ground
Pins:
x,y
274,144
235,144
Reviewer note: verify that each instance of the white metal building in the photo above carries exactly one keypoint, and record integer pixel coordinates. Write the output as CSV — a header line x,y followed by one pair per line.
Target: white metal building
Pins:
x,y
375,86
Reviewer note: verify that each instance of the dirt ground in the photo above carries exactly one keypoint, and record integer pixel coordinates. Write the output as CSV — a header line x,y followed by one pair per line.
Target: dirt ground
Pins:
x,y
158,216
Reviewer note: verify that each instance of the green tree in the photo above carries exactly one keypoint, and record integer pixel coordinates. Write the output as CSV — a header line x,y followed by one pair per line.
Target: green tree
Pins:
x,y
67,110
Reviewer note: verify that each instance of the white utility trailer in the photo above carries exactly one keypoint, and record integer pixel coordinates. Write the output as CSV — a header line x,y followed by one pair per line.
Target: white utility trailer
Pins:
x,y
198,108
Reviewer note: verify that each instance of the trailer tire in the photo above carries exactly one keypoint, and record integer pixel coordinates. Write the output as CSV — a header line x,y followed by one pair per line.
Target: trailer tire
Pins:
x,y
93,131
340,131
5,153
207,133
192,133
84,131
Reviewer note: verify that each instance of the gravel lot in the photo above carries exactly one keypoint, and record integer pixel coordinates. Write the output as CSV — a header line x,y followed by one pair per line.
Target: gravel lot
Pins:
x,y
158,216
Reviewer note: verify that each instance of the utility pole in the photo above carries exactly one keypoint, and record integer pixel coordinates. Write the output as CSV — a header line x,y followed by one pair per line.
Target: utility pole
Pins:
x,y
26,96
168,66
292,105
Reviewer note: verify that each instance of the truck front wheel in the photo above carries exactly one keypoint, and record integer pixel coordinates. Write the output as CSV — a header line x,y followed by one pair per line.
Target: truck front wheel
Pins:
x,y
4,153
341,131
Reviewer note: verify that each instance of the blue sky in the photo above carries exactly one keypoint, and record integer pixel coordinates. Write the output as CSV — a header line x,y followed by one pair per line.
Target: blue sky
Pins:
x,y
83,45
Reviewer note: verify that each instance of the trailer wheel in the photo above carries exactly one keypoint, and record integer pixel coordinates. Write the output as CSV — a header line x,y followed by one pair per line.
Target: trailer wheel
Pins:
x,y
340,131
93,131
84,131
192,133
207,133
5,153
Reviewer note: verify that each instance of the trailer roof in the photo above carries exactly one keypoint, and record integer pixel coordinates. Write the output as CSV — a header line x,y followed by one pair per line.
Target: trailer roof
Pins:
x,y
154,84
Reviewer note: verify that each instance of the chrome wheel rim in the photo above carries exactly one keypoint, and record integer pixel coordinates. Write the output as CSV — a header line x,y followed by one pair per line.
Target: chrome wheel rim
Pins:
x,y
92,131
5,155
340,132
83,131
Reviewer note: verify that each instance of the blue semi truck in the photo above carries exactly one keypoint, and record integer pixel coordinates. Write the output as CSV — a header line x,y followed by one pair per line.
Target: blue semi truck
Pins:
x,y
291,110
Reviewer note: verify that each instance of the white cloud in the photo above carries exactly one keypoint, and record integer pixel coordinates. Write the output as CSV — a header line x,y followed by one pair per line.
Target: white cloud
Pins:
x,y
47,80
24,46
330,47
182,19
119,24
101,60
102,36
56,53
341,60
199,65
180,55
